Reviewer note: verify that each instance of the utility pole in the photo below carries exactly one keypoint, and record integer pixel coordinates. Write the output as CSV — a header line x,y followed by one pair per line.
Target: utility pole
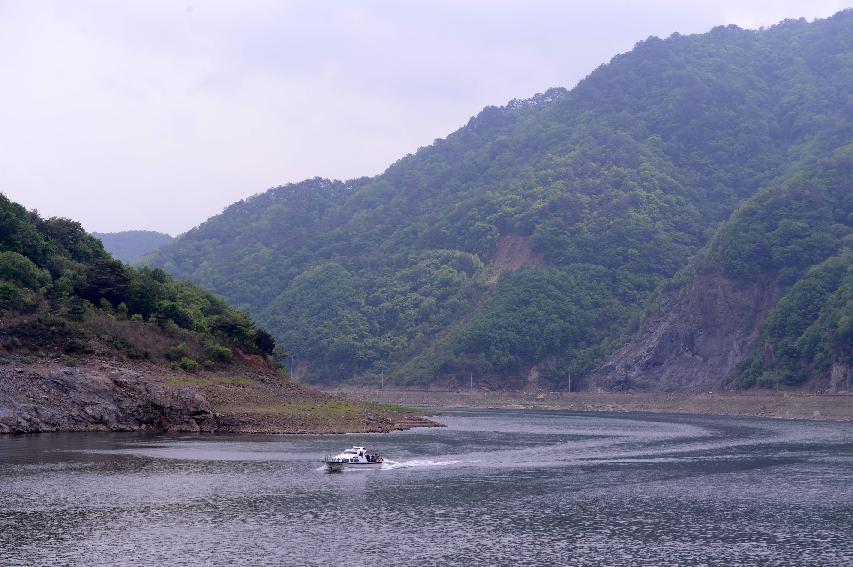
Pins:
x,y
291,368
471,380
382,380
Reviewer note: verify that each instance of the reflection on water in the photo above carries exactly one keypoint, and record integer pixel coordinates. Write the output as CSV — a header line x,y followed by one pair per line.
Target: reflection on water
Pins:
x,y
495,487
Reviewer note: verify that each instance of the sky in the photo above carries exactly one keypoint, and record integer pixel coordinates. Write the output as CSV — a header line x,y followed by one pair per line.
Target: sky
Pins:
x,y
158,114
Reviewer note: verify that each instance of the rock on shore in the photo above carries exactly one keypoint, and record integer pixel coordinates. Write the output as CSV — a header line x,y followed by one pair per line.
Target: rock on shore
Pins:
x,y
70,399
114,396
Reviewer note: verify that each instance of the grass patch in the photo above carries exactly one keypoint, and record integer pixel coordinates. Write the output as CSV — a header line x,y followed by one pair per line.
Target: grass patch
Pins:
x,y
395,408
314,412
216,381
319,409
299,408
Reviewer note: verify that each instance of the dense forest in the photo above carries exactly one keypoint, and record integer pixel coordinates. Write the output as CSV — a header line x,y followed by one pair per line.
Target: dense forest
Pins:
x,y
532,240
62,294
131,245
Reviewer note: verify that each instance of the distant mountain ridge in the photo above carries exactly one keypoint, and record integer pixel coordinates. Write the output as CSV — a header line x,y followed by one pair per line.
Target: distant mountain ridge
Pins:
x,y
612,188
131,245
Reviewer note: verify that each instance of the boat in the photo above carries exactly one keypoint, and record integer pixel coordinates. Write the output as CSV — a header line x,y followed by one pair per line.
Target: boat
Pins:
x,y
355,458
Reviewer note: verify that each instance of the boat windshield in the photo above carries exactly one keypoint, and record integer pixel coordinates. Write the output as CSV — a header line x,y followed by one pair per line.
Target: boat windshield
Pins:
x,y
349,452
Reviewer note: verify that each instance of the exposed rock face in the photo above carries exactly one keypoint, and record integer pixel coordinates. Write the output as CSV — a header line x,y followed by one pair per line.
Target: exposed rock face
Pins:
x,y
694,341
75,400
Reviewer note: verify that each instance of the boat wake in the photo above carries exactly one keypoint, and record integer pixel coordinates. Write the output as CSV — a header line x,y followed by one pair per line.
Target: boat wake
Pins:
x,y
391,465
394,465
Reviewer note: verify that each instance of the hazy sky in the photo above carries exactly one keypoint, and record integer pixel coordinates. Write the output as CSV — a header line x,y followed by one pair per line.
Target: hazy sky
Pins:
x,y
158,114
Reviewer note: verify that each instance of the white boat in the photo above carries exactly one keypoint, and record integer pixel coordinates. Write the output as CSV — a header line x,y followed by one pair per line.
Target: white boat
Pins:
x,y
356,458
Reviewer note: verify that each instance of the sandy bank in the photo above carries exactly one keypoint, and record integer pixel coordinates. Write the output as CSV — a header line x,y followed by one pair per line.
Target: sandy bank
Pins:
x,y
785,405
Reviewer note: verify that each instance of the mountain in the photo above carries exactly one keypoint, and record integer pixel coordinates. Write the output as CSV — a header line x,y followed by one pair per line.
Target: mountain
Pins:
x,y
57,283
768,302
88,343
526,246
131,245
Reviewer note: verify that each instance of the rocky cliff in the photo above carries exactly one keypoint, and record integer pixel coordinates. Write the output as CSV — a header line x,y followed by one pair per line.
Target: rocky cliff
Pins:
x,y
693,341
70,399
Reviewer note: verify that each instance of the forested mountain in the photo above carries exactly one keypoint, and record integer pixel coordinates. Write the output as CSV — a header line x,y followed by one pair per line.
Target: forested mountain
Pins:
x,y
131,245
527,245
768,302
798,234
61,293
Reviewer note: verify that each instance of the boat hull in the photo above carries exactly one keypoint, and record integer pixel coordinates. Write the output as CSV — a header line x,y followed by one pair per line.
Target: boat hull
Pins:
x,y
340,466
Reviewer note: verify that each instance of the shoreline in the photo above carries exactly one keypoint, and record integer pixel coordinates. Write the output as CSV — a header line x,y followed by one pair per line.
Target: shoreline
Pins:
x,y
105,394
777,405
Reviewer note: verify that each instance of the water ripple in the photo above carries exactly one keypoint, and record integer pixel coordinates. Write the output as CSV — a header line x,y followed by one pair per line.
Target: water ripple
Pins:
x,y
495,487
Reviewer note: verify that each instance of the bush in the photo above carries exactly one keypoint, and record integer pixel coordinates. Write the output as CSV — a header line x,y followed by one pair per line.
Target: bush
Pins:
x,y
11,296
218,353
106,306
77,309
178,314
177,353
188,364
73,345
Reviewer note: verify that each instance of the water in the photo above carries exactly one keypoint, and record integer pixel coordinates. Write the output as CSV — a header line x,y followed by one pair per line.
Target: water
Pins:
x,y
494,487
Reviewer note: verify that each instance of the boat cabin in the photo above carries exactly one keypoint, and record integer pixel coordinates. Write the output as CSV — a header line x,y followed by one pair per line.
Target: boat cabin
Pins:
x,y
358,455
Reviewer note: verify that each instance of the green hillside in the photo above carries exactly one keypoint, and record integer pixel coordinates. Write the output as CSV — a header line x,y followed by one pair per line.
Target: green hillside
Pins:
x,y
131,245
61,293
529,242
797,234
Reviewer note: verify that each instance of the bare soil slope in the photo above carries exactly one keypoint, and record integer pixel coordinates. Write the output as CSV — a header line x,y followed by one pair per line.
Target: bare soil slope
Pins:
x,y
513,253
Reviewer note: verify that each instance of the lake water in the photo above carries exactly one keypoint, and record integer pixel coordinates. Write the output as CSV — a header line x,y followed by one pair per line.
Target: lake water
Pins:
x,y
493,488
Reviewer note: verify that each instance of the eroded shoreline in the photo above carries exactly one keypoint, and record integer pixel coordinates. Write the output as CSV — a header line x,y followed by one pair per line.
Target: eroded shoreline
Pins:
x,y
110,395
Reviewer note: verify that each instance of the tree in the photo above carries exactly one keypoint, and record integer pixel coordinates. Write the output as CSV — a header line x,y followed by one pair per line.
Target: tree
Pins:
x,y
264,342
105,278
20,270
